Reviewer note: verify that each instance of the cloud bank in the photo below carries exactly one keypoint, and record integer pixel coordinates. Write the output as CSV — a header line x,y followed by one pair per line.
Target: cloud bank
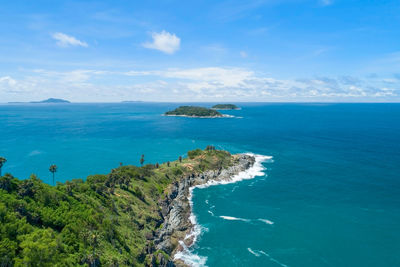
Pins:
x,y
193,84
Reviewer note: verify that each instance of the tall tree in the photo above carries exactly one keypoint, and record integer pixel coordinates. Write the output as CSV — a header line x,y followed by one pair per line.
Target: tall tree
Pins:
x,y
53,170
142,160
2,161
180,158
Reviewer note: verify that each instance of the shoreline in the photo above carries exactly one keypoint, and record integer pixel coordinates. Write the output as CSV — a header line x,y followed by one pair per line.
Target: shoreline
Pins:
x,y
180,229
226,108
201,117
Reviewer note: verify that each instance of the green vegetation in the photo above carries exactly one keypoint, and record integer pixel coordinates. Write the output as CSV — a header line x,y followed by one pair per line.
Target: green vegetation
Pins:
x,y
53,170
192,111
107,220
225,106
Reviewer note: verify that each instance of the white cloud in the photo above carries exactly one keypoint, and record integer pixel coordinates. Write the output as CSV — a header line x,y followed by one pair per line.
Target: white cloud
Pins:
x,y
194,84
243,54
164,42
64,40
243,84
7,80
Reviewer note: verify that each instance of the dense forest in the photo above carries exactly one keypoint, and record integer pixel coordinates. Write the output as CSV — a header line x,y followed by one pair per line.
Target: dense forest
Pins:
x,y
193,111
106,220
225,106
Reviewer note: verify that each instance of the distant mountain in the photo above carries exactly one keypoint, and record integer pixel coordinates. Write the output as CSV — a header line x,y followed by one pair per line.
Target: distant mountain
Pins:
x,y
51,100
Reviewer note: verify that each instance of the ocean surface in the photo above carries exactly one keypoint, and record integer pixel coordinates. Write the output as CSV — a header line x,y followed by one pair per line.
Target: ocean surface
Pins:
x,y
327,195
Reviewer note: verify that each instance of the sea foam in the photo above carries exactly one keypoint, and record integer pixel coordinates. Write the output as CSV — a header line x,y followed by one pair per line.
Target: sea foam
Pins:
x,y
258,253
186,255
266,221
229,218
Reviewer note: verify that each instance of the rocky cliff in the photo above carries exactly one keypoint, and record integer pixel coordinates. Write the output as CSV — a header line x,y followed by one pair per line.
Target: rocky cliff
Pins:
x,y
176,208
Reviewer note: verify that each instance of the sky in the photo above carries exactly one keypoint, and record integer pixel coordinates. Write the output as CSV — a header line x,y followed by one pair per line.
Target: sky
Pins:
x,y
205,50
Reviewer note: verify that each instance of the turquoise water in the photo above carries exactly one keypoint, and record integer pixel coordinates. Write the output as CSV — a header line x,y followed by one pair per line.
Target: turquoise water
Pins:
x,y
329,197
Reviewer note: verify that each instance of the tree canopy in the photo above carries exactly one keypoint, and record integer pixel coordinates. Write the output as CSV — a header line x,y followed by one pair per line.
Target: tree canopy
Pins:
x,y
193,111
107,220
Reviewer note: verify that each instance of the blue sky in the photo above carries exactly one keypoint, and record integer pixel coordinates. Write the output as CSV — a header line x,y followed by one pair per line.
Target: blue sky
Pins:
x,y
272,50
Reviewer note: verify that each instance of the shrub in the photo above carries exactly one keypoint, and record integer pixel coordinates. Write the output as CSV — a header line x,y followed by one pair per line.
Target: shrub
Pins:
x,y
194,153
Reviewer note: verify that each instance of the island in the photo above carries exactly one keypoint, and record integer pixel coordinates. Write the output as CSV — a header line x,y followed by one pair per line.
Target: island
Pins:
x,y
133,216
225,107
194,111
51,100
47,101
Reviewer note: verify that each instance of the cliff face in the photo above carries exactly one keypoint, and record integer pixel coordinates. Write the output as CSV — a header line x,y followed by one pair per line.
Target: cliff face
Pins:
x,y
176,209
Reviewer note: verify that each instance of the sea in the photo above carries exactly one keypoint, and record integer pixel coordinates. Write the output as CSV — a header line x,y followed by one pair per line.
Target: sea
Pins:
x,y
325,190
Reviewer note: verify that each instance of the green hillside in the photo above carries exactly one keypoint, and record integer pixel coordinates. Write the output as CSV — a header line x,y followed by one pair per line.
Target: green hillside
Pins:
x,y
107,220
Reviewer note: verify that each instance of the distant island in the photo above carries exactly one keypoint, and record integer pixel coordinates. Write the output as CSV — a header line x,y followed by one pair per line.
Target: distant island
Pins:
x,y
50,100
225,107
193,111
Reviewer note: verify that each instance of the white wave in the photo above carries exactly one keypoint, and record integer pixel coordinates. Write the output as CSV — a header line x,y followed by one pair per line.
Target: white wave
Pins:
x,y
186,255
212,213
190,258
229,218
266,221
253,252
256,170
34,153
272,259
206,201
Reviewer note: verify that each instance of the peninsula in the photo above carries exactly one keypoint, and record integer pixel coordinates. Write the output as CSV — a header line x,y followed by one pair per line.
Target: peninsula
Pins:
x,y
133,216
194,111
225,107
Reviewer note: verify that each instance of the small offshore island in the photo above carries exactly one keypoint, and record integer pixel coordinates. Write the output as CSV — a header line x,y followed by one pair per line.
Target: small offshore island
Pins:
x,y
133,216
195,112
225,107
47,101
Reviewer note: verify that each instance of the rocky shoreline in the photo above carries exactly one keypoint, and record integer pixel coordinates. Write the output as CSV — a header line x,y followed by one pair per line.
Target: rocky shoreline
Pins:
x,y
177,228
200,117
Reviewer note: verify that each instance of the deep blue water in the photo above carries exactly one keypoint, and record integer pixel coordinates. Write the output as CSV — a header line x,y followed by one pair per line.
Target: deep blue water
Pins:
x,y
332,190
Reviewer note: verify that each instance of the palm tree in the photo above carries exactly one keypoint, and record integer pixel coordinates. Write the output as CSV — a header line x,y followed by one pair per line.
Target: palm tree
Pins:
x,y
142,160
53,169
2,161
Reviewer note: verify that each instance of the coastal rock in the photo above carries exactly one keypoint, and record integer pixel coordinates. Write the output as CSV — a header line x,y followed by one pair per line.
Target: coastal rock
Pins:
x,y
176,209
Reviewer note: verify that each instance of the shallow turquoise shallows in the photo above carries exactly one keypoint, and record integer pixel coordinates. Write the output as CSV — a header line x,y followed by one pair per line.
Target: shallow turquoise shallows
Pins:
x,y
330,195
